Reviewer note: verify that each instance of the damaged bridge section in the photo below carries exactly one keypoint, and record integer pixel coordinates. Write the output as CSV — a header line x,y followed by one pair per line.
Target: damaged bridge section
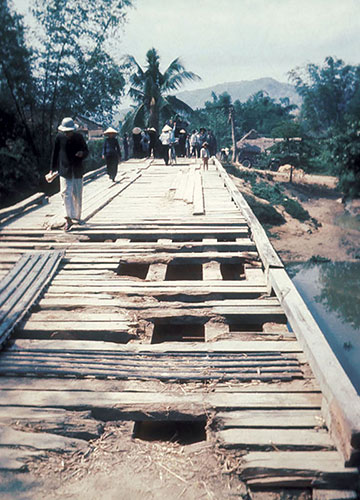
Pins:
x,y
170,313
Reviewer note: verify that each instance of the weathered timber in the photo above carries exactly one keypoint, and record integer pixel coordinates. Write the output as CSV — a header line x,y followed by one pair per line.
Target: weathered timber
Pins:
x,y
282,439
79,400
196,348
15,459
274,419
199,208
91,212
322,494
39,441
298,468
22,287
22,206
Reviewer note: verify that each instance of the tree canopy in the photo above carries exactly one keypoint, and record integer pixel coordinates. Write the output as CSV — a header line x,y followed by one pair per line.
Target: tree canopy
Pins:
x,y
69,71
152,90
330,114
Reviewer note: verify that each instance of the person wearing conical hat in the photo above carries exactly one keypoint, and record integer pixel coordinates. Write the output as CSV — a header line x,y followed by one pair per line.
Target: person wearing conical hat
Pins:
x,y
152,144
111,152
165,139
70,149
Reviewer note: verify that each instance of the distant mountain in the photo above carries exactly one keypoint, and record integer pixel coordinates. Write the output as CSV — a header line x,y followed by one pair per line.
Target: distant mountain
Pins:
x,y
241,90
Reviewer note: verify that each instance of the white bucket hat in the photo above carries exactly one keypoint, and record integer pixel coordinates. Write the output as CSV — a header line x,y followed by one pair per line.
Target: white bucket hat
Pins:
x,y
110,130
67,125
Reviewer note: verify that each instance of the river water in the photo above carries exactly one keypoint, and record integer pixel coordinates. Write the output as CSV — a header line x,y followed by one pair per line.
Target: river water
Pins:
x,y
331,291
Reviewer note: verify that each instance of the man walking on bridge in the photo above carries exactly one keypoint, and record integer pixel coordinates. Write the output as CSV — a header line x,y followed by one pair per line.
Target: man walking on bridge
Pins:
x,y
70,150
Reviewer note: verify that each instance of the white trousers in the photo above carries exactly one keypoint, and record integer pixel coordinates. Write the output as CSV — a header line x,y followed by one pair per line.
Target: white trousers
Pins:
x,y
71,193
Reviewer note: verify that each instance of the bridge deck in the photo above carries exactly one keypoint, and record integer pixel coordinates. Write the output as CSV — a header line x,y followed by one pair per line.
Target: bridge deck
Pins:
x,y
166,283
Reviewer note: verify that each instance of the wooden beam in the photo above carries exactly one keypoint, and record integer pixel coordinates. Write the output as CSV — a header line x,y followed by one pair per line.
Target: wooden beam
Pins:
x,y
23,206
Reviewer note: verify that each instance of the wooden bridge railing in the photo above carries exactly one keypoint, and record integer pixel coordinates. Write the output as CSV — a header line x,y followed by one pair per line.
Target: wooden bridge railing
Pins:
x,y
341,405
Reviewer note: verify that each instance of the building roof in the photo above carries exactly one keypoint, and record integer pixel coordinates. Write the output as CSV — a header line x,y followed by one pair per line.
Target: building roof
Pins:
x,y
253,141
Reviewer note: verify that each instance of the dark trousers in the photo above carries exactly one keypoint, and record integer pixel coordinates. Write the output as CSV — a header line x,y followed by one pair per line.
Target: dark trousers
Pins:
x,y
165,153
112,166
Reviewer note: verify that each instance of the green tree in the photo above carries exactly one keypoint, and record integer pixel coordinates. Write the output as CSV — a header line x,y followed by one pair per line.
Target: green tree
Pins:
x,y
328,92
344,148
75,72
330,113
152,90
262,113
17,146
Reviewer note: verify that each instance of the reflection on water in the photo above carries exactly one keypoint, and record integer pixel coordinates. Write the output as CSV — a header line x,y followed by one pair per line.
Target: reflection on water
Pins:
x,y
332,293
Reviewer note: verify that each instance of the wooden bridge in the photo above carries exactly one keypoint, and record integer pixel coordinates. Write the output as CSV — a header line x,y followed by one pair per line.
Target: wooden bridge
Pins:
x,y
171,280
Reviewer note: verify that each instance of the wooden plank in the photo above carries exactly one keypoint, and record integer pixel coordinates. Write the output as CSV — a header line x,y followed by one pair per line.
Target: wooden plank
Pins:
x,y
15,460
228,346
322,494
272,418
211,271
90,213
39,441
88,400
292,439
22,206
159,257
74,326
255,275
199,207
24,296
343,402
93,385
298,468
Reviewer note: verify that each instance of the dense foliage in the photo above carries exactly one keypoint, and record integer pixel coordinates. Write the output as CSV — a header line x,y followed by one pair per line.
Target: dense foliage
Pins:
x,y
330,115
259,112
65,74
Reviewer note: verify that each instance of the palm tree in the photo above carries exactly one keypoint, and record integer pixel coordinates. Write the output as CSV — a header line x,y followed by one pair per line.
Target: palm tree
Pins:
x,y
150,89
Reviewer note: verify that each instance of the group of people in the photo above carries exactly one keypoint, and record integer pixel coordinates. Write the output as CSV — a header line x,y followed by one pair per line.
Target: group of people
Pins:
x,y
198,144
70,149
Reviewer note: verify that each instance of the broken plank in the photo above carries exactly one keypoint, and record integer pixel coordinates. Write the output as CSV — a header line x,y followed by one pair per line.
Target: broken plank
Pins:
x,y
290,468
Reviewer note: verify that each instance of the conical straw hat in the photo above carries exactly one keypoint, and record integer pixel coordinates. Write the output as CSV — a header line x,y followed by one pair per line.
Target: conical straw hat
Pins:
x,y
110,130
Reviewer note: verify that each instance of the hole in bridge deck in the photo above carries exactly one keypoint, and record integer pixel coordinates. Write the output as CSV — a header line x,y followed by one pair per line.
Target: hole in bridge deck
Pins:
x,y
246,327
178,333
252,325
184,272
232,272
137,270
182,432
226,240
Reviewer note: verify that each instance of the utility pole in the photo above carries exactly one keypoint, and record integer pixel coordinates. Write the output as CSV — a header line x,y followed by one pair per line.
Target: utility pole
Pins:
x,y
231,120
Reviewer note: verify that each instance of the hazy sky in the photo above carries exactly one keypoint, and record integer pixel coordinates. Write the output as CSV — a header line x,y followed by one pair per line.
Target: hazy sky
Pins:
x,y
231,40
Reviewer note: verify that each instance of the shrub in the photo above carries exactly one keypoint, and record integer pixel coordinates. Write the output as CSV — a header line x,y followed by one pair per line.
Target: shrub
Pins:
x,y
317,259
294,209
266,214
272,193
